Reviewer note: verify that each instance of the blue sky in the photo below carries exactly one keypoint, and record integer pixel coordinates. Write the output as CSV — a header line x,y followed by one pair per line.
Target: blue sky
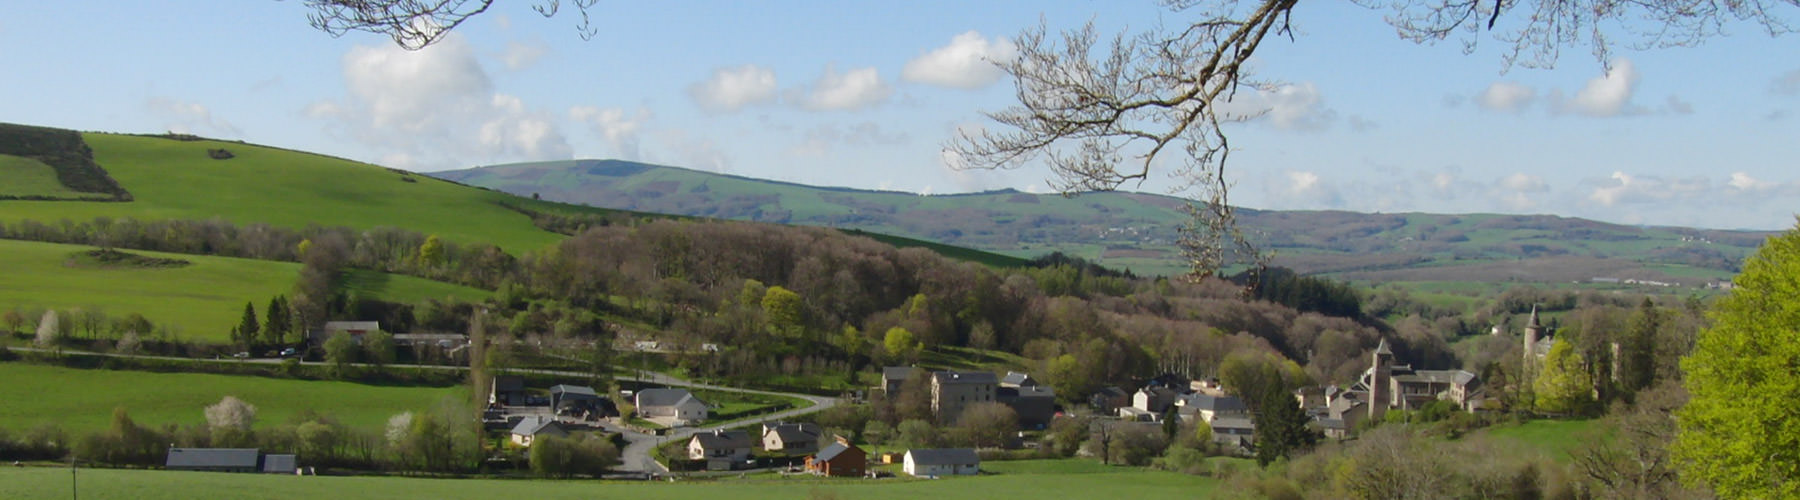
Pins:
x,y
864,94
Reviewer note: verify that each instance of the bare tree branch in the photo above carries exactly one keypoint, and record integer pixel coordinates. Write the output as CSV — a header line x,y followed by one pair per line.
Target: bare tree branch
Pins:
x,y
415,24
1100,115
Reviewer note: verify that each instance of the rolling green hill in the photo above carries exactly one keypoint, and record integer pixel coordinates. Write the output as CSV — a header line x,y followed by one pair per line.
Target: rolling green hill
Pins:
x,y
201,300
1136,231
177,179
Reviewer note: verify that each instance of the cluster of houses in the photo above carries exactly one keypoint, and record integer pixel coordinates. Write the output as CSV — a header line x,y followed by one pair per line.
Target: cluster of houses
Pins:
x,y
724,449
954,391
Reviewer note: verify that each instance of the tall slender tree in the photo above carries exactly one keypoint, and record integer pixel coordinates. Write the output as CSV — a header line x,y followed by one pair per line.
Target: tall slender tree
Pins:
x,y
245,332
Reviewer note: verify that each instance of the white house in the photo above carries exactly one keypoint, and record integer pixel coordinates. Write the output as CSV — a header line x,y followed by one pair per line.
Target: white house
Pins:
x,y
671,407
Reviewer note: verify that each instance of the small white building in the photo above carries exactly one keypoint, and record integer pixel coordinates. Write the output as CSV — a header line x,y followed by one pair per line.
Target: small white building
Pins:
x,y
942,462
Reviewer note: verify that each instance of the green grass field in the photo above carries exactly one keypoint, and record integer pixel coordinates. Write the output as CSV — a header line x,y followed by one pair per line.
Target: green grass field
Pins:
x,y
176,180
1555,437
21,176
32,482
202,300
82,400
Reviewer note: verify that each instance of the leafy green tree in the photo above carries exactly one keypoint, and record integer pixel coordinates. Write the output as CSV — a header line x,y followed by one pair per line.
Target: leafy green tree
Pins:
x,y
1738,432
13,319
916,434
785,310
1564,386
901,345
340,351
987,425
245,332
431,253
379,347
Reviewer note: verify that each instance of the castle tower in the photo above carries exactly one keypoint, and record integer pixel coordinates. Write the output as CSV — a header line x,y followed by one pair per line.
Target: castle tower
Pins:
x,y
1534,330
1381,380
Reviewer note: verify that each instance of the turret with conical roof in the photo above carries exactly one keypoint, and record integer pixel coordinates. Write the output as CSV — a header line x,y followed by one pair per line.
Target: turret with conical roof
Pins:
x,y
1381,379
1534,330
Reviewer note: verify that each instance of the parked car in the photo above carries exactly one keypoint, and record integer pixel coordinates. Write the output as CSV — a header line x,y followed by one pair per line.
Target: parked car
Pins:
x,y
290,352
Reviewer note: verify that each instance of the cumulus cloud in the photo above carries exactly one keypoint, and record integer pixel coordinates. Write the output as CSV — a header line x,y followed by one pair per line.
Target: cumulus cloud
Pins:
x,y
1305,189
732,89
1622,188
1786,84
968,62
850,90
190,117
1608,95
1288,107
518,56
436,108
621,129
1506,96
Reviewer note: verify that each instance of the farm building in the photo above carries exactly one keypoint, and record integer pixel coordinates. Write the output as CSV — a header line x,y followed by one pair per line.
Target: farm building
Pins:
x,y
214,459
942,462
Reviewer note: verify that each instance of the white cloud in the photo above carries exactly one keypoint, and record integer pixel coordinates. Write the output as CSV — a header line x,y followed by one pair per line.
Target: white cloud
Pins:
x,y
1623,188
731,89
190,117
436,108
1287,107
1304,189
1608,95
620,129
1524,183
967,62
1506,96
518,56
1787,84
850,90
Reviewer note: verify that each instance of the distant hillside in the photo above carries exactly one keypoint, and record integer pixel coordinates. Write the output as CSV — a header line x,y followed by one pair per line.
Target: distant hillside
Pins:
x,y
1135,231
38,163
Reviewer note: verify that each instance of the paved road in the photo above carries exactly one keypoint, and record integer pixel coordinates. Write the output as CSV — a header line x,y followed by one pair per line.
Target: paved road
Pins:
x,y
636,455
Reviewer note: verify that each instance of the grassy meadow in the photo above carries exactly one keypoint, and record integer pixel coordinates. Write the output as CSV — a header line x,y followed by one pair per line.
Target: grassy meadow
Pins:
x,y
81,400
173,179
20,176
1020,480
1557,438
201,300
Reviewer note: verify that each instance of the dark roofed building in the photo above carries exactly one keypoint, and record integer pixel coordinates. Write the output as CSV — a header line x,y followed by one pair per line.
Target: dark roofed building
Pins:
x,y
1035,404
214,459
798,438
1016,379
721,449
507,390
530,428
279,464
671,407
892,377
581,401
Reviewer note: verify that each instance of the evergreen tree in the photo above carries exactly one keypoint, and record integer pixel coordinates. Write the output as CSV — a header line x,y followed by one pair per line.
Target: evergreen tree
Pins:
x,y
1637,350
276,322
1280,425
245,333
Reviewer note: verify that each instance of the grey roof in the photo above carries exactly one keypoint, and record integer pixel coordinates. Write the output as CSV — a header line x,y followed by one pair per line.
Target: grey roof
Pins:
x,y
896,372
566,391
212,457
954,377
1437,376
281,464
1383,348
664,397
717,440
1233,423
944,456
1018,379
367,326
831,452
1201,401
532,426
509,383
796,432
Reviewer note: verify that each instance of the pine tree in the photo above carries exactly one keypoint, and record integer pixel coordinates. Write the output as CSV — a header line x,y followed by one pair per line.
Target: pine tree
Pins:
x,y
245,333
276,323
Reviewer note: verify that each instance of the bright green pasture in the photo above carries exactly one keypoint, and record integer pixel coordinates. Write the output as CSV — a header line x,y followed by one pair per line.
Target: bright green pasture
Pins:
x,y
34,482
202,300
82,400
1555,437
176,180
20,176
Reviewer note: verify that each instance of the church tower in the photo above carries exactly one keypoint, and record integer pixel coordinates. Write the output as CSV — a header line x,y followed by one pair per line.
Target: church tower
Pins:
x,y
1380,380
